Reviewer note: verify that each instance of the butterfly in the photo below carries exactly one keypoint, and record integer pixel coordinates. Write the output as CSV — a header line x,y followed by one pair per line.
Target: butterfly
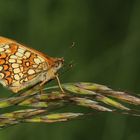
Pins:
x,y
22,67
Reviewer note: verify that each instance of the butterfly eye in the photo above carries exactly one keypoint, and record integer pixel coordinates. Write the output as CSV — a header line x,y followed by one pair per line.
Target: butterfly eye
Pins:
x,y
59,63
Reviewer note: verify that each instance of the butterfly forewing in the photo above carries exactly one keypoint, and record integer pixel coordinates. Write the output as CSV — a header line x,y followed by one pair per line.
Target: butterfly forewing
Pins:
x,y
21,66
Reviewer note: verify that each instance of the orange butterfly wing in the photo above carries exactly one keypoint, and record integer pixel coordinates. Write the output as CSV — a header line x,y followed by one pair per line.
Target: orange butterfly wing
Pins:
x,y
21,66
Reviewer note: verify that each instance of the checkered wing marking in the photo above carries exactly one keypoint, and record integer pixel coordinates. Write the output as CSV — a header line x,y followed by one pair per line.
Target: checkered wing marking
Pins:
x,y
19,65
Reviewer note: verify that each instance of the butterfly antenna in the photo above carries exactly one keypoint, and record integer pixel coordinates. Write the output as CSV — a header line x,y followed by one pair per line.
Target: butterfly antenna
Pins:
x,y
69,49
67,67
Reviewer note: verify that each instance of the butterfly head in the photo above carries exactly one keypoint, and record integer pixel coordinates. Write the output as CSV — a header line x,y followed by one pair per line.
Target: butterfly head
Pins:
x,y
58,63
54,65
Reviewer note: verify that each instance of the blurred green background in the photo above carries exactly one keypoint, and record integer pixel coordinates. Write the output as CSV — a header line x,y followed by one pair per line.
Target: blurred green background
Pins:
x,y
107,51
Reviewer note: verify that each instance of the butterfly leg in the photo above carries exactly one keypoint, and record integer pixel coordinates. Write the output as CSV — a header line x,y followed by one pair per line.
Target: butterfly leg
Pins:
x,y
41,89
58,81
59,84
